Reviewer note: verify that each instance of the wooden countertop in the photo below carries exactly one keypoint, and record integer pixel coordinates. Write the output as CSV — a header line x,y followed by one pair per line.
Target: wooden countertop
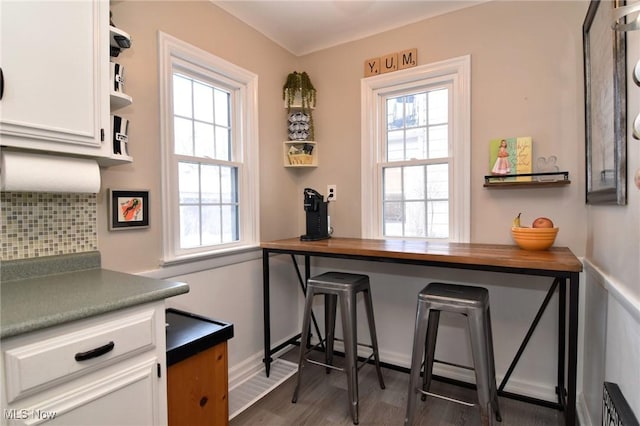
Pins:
x,y
467,254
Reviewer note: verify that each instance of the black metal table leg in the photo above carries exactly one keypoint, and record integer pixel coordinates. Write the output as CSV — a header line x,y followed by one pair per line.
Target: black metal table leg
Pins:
x,y
266,311
574,289
303,287
562,339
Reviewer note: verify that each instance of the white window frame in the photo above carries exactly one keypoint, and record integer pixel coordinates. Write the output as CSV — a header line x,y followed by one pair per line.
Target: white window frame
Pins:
x,y
174,54
455,72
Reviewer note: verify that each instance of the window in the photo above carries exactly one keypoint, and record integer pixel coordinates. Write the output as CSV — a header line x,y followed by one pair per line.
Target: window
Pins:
x,y
415,153
209,153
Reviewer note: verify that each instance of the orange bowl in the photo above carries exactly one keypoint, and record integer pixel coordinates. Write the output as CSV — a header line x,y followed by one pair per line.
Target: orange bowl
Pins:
x,y
534,238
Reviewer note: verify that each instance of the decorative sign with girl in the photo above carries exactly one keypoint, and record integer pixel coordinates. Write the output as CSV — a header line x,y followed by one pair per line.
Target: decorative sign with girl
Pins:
x,y
511,156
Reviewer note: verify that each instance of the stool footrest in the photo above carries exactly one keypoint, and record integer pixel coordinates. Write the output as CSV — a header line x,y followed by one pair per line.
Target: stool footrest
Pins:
x,y
333,367
453,364
446,398
322,364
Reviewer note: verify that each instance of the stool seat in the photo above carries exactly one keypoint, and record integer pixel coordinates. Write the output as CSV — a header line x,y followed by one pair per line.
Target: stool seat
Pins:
x,y
342,287
340,281
454,296
473,302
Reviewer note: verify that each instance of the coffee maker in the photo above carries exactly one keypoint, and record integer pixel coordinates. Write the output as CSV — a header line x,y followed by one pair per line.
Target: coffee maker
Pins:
x,y
317,218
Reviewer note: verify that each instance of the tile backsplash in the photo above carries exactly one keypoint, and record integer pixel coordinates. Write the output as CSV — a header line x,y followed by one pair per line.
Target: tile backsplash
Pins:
x,y
36,224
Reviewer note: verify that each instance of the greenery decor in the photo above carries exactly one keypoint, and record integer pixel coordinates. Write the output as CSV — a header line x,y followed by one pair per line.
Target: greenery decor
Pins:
x,y
299,84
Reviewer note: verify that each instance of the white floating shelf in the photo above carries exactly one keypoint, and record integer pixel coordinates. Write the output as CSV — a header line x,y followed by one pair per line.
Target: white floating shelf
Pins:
x,y
117,38
120,100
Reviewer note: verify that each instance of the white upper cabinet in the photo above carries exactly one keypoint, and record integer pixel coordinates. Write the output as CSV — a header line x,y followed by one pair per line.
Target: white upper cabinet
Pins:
x,y
55,67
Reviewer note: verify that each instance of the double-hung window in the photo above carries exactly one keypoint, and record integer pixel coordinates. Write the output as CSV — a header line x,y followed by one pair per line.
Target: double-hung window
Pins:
x,y
415,153
209,153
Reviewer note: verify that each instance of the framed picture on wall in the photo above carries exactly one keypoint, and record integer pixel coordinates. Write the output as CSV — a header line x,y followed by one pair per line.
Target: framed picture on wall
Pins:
x,y
605,76
128,209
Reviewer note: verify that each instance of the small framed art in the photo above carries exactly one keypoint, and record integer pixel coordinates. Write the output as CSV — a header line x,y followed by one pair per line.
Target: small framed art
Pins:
x,y
128,209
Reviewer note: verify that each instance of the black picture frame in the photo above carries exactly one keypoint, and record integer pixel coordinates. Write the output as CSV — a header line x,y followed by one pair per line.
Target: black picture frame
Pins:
x,y
128,209
605,89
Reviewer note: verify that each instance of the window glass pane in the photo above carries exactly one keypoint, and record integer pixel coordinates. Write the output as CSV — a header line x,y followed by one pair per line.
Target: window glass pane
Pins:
x,y
188,183
210,184
222,108
438,181
395,113
439,141
182,96
223,143
395,145
202,102
438,219
189,226
211,232
393,217
414,219
420,106
392,177
183,136
414,183
229,190
411,111
229,223
438,106
203,140
416,143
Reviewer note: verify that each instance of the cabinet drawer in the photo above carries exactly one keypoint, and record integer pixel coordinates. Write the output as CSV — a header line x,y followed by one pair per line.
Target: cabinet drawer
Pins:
x,y
73,351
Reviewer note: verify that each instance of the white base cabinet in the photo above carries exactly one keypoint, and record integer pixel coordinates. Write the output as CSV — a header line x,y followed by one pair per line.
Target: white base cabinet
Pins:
x,y
105,370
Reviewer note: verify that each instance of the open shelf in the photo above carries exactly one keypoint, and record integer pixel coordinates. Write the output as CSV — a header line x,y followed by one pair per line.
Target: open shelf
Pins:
x,y
118,40
300,160
115,160
528,180
119,100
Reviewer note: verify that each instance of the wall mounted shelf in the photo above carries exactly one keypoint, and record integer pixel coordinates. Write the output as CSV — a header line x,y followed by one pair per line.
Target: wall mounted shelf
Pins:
x,y
119,100
118,40
302,159
535,180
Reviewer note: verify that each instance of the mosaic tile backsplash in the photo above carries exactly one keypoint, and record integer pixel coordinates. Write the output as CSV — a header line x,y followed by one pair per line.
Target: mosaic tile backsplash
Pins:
x,y
36,224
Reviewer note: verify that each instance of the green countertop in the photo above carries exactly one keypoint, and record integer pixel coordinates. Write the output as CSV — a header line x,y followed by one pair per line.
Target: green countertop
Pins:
x,y
35,303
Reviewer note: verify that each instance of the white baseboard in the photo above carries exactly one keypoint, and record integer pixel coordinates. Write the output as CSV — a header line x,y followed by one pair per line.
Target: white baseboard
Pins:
x,y
584,419
247,368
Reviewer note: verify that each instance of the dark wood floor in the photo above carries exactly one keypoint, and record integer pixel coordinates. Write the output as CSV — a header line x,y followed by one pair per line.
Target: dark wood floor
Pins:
x,y
323,401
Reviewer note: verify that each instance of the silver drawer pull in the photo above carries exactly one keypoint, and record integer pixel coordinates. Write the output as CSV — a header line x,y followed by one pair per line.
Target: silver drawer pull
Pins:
x,y
94,353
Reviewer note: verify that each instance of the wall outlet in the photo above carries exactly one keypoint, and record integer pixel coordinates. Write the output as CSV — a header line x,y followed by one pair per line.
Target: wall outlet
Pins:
x,y
331,193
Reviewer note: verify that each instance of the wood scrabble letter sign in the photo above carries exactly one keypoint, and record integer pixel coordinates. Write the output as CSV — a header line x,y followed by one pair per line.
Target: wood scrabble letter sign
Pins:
x,y
391,62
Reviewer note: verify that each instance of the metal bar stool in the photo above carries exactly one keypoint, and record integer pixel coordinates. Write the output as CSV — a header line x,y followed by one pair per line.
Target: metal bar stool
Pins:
x,y
343,287
473,302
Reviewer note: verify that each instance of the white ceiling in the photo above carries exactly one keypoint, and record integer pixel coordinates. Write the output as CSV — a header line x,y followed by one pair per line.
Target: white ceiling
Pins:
x,y
305,26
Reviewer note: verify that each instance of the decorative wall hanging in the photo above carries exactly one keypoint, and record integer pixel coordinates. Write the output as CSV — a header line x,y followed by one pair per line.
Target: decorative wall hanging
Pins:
x,y
128,209
391,62
605,105
300,98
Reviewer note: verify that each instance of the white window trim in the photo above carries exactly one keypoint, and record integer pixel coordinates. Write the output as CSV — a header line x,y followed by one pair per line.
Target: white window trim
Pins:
x,y
171,49
457,71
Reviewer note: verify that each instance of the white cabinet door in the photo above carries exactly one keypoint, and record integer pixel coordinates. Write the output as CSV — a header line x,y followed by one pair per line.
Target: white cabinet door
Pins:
x,y
124,396
55,70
